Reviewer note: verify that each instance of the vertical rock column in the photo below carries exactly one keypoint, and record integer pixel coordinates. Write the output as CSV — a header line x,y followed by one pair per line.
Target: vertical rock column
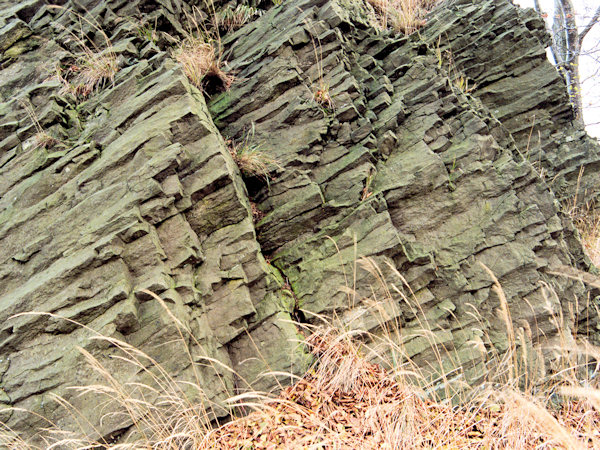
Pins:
x,y
140,195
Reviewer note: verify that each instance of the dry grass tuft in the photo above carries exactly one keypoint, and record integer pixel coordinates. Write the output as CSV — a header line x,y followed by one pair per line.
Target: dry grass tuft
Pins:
x,y
322,96
44,140
319,88
94,67
41,139
231,18
586,218
91,72
403,16
200,53
250,159
200,59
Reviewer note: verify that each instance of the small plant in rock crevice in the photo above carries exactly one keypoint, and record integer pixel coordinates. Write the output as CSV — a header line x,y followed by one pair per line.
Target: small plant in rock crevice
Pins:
x,y
403,16
248,156
147,31
200,53
457,79
93,67
41,139
453,174
319,88
462,84
367,192
230,18
322,96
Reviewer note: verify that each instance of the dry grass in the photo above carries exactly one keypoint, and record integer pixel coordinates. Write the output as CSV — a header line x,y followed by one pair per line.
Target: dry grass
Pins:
x,y
589,229
403,16
586,218
201,59
179,416
347,401
94,66
200,53
322,96
230,18
89,74
41,139
251,161
319,88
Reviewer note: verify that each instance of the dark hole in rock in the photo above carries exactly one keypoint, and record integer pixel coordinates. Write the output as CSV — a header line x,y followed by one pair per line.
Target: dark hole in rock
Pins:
x,y
213,84
148,6
254,186
299,316
27,13
4,334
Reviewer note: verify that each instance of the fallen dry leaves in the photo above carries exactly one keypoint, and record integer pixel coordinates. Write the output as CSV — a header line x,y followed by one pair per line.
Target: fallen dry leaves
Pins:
x,y
366,408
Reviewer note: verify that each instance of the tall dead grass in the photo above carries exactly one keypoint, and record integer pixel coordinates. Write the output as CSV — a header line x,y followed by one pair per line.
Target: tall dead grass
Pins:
x,y
41,139
586,218
94,65
161,413
200,52
403,16
363,392
250,159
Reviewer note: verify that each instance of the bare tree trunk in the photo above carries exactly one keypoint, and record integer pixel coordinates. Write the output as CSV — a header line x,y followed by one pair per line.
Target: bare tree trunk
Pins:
x,y
569,51
566,47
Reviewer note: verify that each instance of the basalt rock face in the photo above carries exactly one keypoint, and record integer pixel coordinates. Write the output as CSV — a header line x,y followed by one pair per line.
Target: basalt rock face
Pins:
x,y
378,154
141,195
502,55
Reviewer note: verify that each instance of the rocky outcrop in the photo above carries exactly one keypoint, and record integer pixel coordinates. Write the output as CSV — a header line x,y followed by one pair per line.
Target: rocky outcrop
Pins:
x,y
141,195
502,54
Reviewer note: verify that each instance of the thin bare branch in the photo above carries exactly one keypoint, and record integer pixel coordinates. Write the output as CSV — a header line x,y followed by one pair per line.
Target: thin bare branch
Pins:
x,y
589,26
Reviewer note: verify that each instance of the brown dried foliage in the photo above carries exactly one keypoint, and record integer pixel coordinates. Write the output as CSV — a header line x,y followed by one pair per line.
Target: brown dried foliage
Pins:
x,y
349,403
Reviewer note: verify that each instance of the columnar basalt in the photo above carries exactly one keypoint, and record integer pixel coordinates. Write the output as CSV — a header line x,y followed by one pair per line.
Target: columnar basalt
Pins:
x,y
379,154
502,53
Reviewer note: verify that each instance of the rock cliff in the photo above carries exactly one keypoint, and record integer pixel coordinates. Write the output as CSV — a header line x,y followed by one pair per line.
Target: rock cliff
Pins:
x,y
433,153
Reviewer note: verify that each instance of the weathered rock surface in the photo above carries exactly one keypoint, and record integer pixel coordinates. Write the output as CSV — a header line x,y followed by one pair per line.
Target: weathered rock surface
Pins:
x,y
503,55
142,195
403,167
